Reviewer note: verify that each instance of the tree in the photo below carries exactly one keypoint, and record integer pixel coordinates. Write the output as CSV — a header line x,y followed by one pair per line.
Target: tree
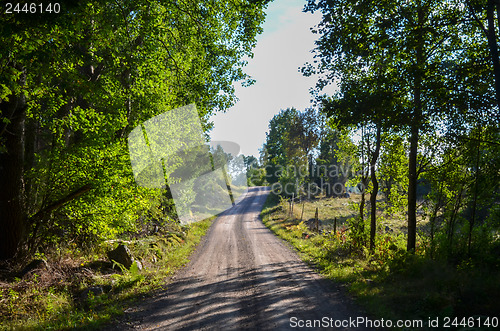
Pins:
x,y
483,14
336,162
278,147
292,138
307,131
404,46
72,88
392,168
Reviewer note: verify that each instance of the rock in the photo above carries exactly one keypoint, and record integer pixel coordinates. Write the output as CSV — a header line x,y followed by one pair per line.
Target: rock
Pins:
x,y
33,265
93,291
122,255
99,265
139,265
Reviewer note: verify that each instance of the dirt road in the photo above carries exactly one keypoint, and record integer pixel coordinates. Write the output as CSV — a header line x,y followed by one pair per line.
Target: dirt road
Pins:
x,y
243,277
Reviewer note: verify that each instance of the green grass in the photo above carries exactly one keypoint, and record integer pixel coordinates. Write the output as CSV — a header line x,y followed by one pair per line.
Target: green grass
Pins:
x,y
51,300
389,283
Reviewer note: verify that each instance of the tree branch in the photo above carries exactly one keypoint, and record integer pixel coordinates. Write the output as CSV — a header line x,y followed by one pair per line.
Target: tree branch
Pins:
x,y
59,203
471,9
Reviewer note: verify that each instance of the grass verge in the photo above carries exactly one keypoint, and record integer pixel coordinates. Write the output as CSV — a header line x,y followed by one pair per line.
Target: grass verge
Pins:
x,y
389,283
84,293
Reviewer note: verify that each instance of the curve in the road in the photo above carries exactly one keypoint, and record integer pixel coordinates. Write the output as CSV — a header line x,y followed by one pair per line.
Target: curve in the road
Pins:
x,y
243,277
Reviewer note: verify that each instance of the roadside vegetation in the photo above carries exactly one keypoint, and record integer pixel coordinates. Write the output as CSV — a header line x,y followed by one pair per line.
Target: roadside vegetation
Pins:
x,y
73,289
389,282
358,190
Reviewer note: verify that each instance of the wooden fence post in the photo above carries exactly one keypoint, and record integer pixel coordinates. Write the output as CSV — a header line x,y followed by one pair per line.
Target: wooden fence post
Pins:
x,y
317,220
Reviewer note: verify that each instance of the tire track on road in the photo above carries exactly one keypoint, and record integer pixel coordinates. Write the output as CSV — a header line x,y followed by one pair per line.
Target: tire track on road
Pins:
x,y
241,277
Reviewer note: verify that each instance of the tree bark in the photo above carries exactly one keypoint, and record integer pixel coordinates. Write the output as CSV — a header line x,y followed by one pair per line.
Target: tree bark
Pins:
x,y
493,46
472,219
364,179
373,196
412,189
12,218
415,133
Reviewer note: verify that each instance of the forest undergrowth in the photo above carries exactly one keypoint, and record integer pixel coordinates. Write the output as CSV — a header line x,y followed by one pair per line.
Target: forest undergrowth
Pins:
x,y
389,282
71,288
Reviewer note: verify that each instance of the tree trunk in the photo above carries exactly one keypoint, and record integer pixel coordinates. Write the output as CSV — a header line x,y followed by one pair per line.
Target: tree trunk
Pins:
x,y
453,218
362,206
432,220
493,46
373,196
412,189
12,218
414,137
364,180
472,219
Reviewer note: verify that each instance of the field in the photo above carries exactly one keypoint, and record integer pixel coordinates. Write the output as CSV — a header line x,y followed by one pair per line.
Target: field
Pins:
x,y
340,210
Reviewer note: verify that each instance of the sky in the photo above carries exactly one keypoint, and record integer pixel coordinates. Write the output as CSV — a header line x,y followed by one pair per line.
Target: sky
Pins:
x,y
284,46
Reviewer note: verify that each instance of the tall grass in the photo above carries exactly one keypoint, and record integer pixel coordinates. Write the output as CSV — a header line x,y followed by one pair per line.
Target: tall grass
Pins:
x,y
389,282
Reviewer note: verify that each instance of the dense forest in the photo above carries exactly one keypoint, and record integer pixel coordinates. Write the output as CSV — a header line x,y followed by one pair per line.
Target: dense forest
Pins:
x,y
75,80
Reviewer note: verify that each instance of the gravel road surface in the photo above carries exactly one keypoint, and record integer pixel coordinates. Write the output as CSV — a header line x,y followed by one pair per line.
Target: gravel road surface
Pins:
x,y
243,277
